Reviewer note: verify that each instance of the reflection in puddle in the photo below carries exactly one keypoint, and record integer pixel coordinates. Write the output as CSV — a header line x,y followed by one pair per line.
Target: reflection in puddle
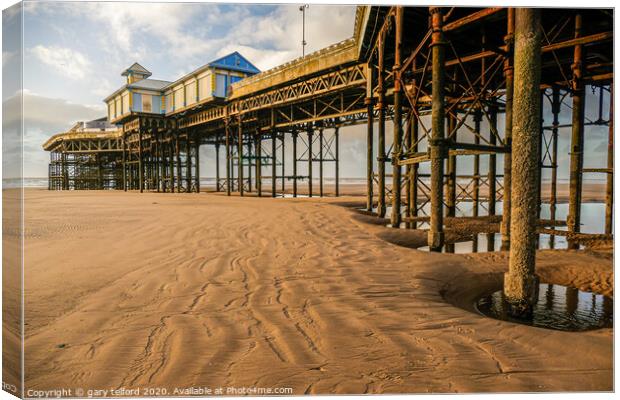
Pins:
x,y
593,221
558,307
484,242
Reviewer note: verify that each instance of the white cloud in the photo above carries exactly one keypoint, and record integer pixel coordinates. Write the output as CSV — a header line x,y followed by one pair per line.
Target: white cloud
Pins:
x,y
68,62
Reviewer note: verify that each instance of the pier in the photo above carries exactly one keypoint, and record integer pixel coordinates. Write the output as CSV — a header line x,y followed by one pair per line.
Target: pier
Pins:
x,y
454,83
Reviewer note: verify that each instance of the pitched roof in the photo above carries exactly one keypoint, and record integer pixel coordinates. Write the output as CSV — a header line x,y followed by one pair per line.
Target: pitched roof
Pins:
x,y
150,84
234,61
136,68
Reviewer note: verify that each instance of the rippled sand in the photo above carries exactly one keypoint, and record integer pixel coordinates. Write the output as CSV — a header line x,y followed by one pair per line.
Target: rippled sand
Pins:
x,y
161,290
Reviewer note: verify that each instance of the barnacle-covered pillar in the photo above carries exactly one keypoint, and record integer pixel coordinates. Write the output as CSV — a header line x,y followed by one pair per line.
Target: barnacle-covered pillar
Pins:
x,y
520,282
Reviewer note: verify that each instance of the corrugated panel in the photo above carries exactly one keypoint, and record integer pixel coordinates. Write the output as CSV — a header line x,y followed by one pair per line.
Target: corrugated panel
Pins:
x,y
137,102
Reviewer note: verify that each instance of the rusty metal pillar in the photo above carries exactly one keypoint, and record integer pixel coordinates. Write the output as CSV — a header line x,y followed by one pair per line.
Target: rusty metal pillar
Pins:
x,y
609,197
397,122
228,177
177,147
509,74
555,109
310,157
273,162
156,159
381,207
520,282
476,186
171,151
337,139
124,164
295,163
197,164
413,184
321,161
217,164
250,158
259,162
451,173
188,163
240,156
369,146
492,177
436,143
573,220
283,153
140,159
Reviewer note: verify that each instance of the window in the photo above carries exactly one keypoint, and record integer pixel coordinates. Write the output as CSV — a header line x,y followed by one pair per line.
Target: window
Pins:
x,y
146,103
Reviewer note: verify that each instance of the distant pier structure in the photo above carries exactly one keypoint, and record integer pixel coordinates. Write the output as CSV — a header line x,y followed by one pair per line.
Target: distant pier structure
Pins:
x,y
496,85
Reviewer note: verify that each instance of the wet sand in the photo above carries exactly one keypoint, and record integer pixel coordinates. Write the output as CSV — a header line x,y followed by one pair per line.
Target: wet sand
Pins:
x,y
129,290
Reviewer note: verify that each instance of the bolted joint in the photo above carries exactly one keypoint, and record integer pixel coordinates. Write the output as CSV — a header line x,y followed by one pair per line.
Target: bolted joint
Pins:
x,y
369,101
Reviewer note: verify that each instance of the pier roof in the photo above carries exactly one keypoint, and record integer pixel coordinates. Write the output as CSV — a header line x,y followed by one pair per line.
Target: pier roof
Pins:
x,y
95,129
136,68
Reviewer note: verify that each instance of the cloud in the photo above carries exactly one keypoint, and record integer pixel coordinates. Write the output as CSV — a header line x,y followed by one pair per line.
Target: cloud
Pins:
x,y
43,117
70,63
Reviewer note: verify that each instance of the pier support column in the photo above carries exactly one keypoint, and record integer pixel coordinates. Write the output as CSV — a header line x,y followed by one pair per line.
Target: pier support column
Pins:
x,y
369,149
509,74
156,161
397,122
259,162
217,165
295,163
437,142
555,109
609,197
573,220
188,163
240,156
310,156
381,207
520,282
140,161
124,164
321,162
273,162
413,177
197,164
171,161
250,158
337,139
177,153
283,159
227,133
492,177
451,174
476,188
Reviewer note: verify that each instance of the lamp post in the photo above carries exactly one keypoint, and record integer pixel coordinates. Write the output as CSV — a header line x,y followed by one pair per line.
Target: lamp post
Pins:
x,y
303,28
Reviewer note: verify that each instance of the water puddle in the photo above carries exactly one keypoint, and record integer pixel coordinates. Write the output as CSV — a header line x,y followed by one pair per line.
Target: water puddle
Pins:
x,y
485,242
558,307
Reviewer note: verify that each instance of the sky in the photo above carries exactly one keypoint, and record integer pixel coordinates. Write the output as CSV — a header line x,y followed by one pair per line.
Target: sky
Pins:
x,y
74,52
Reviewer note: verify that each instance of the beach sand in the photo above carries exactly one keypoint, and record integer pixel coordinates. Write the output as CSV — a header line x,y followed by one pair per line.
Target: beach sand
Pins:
x,y
129,290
